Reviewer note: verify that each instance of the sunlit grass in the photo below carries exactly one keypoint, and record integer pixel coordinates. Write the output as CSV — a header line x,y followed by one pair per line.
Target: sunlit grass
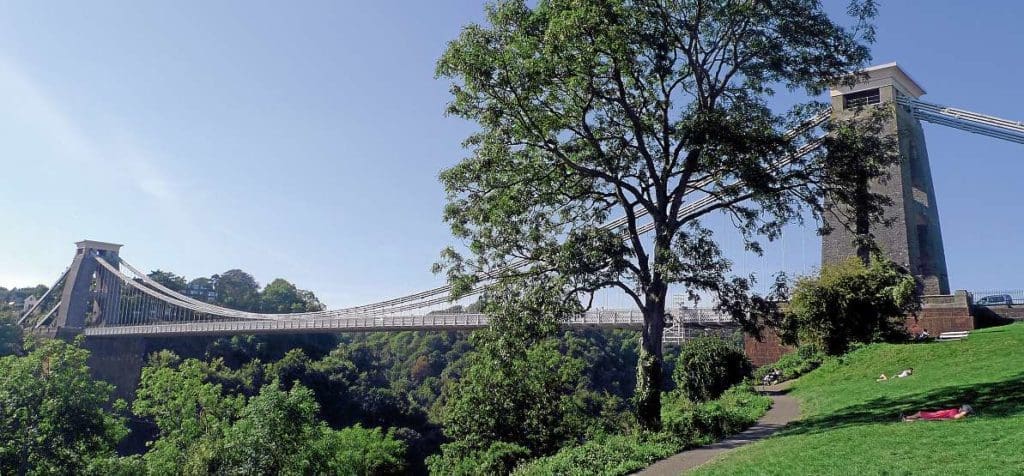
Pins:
x,y
851,423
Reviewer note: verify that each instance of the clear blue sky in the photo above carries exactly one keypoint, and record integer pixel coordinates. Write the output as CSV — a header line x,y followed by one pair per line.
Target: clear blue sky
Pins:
x,y
304,140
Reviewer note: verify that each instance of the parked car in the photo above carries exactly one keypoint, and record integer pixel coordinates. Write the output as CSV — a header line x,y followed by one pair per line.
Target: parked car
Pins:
x,y
996,300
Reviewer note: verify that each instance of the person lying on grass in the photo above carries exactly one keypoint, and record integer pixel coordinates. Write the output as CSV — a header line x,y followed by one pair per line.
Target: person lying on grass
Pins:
x,y
947,414
904,374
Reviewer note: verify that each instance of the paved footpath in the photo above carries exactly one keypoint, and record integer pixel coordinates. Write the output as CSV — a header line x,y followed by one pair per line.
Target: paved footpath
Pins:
x,y
784,410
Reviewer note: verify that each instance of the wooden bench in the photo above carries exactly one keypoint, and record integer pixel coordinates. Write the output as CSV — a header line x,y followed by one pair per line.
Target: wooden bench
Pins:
x,y
953,335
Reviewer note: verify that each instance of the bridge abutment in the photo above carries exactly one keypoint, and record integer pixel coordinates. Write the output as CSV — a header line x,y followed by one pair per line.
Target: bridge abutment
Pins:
x,y
117,361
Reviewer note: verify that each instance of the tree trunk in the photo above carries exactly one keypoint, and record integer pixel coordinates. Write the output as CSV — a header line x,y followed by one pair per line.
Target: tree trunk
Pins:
x,y
650,377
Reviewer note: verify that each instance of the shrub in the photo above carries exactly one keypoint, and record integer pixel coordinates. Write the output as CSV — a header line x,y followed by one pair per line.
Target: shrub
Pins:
x,y
458,459
851,302
794,364
611,455
701,423
685,424
708,366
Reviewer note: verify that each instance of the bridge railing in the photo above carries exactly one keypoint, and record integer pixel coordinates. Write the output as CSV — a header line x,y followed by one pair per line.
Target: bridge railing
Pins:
x,y
453,321
1016,295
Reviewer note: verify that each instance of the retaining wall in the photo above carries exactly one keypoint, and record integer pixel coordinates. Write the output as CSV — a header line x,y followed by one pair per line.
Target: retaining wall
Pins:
x,y
938,314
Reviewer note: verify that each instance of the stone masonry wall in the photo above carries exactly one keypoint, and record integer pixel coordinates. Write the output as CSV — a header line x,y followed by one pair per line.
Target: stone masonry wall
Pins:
x,y
117,361
943,313
939,313
765,352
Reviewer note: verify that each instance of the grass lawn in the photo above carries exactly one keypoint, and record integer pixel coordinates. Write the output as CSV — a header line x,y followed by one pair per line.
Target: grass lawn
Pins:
x,y
851,424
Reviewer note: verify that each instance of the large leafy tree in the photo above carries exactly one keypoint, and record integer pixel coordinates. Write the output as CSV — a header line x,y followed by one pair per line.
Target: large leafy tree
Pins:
x,y
598,109
281,296
237,289
206,429
10,332
192,415
53,415
169,279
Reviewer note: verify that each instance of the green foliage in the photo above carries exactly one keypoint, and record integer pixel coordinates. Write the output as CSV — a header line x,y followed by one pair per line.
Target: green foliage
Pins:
x,y
529,400
705,422
524,391
855,421
272,433
359,451
851,302
237,289
283,297
10,334
608,456
53,417
117,466
686,424
204,430
461,459
707,366
794,364
192,416
19,294
169,280
606,108
10,312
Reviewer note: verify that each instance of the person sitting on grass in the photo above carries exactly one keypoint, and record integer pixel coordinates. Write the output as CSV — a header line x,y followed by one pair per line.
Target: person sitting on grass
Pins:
x,y
947,414
771,378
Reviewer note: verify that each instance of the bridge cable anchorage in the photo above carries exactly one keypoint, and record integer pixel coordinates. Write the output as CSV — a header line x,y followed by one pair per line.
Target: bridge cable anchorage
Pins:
x,y
969,121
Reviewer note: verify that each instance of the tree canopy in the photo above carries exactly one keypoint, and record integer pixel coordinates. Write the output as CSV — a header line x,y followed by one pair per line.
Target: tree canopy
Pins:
x,y
597,109
237,289
52,414
169,279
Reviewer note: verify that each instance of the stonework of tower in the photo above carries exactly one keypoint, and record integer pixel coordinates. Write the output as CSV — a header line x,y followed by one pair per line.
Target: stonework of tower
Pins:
x,y
80,288
914,239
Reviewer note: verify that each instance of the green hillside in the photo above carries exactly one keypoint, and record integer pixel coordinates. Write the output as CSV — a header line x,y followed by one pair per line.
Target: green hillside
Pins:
x,y
851,422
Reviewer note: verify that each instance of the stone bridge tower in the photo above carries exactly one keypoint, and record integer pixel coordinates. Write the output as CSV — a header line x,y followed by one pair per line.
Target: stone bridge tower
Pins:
x,y
79,298
915,238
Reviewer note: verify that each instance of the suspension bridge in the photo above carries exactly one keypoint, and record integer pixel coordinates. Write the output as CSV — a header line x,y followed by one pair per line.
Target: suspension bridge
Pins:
x,y
102,295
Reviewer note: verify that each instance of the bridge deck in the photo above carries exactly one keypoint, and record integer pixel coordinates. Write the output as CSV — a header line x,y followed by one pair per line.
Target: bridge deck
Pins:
x,y
465,321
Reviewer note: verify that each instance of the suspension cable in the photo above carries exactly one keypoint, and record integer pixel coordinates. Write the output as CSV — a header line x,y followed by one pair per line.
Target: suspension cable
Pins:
x,y
969,121
423,299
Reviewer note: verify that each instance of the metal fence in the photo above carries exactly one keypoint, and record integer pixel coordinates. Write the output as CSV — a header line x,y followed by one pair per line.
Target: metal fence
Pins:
x,y
1016,295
